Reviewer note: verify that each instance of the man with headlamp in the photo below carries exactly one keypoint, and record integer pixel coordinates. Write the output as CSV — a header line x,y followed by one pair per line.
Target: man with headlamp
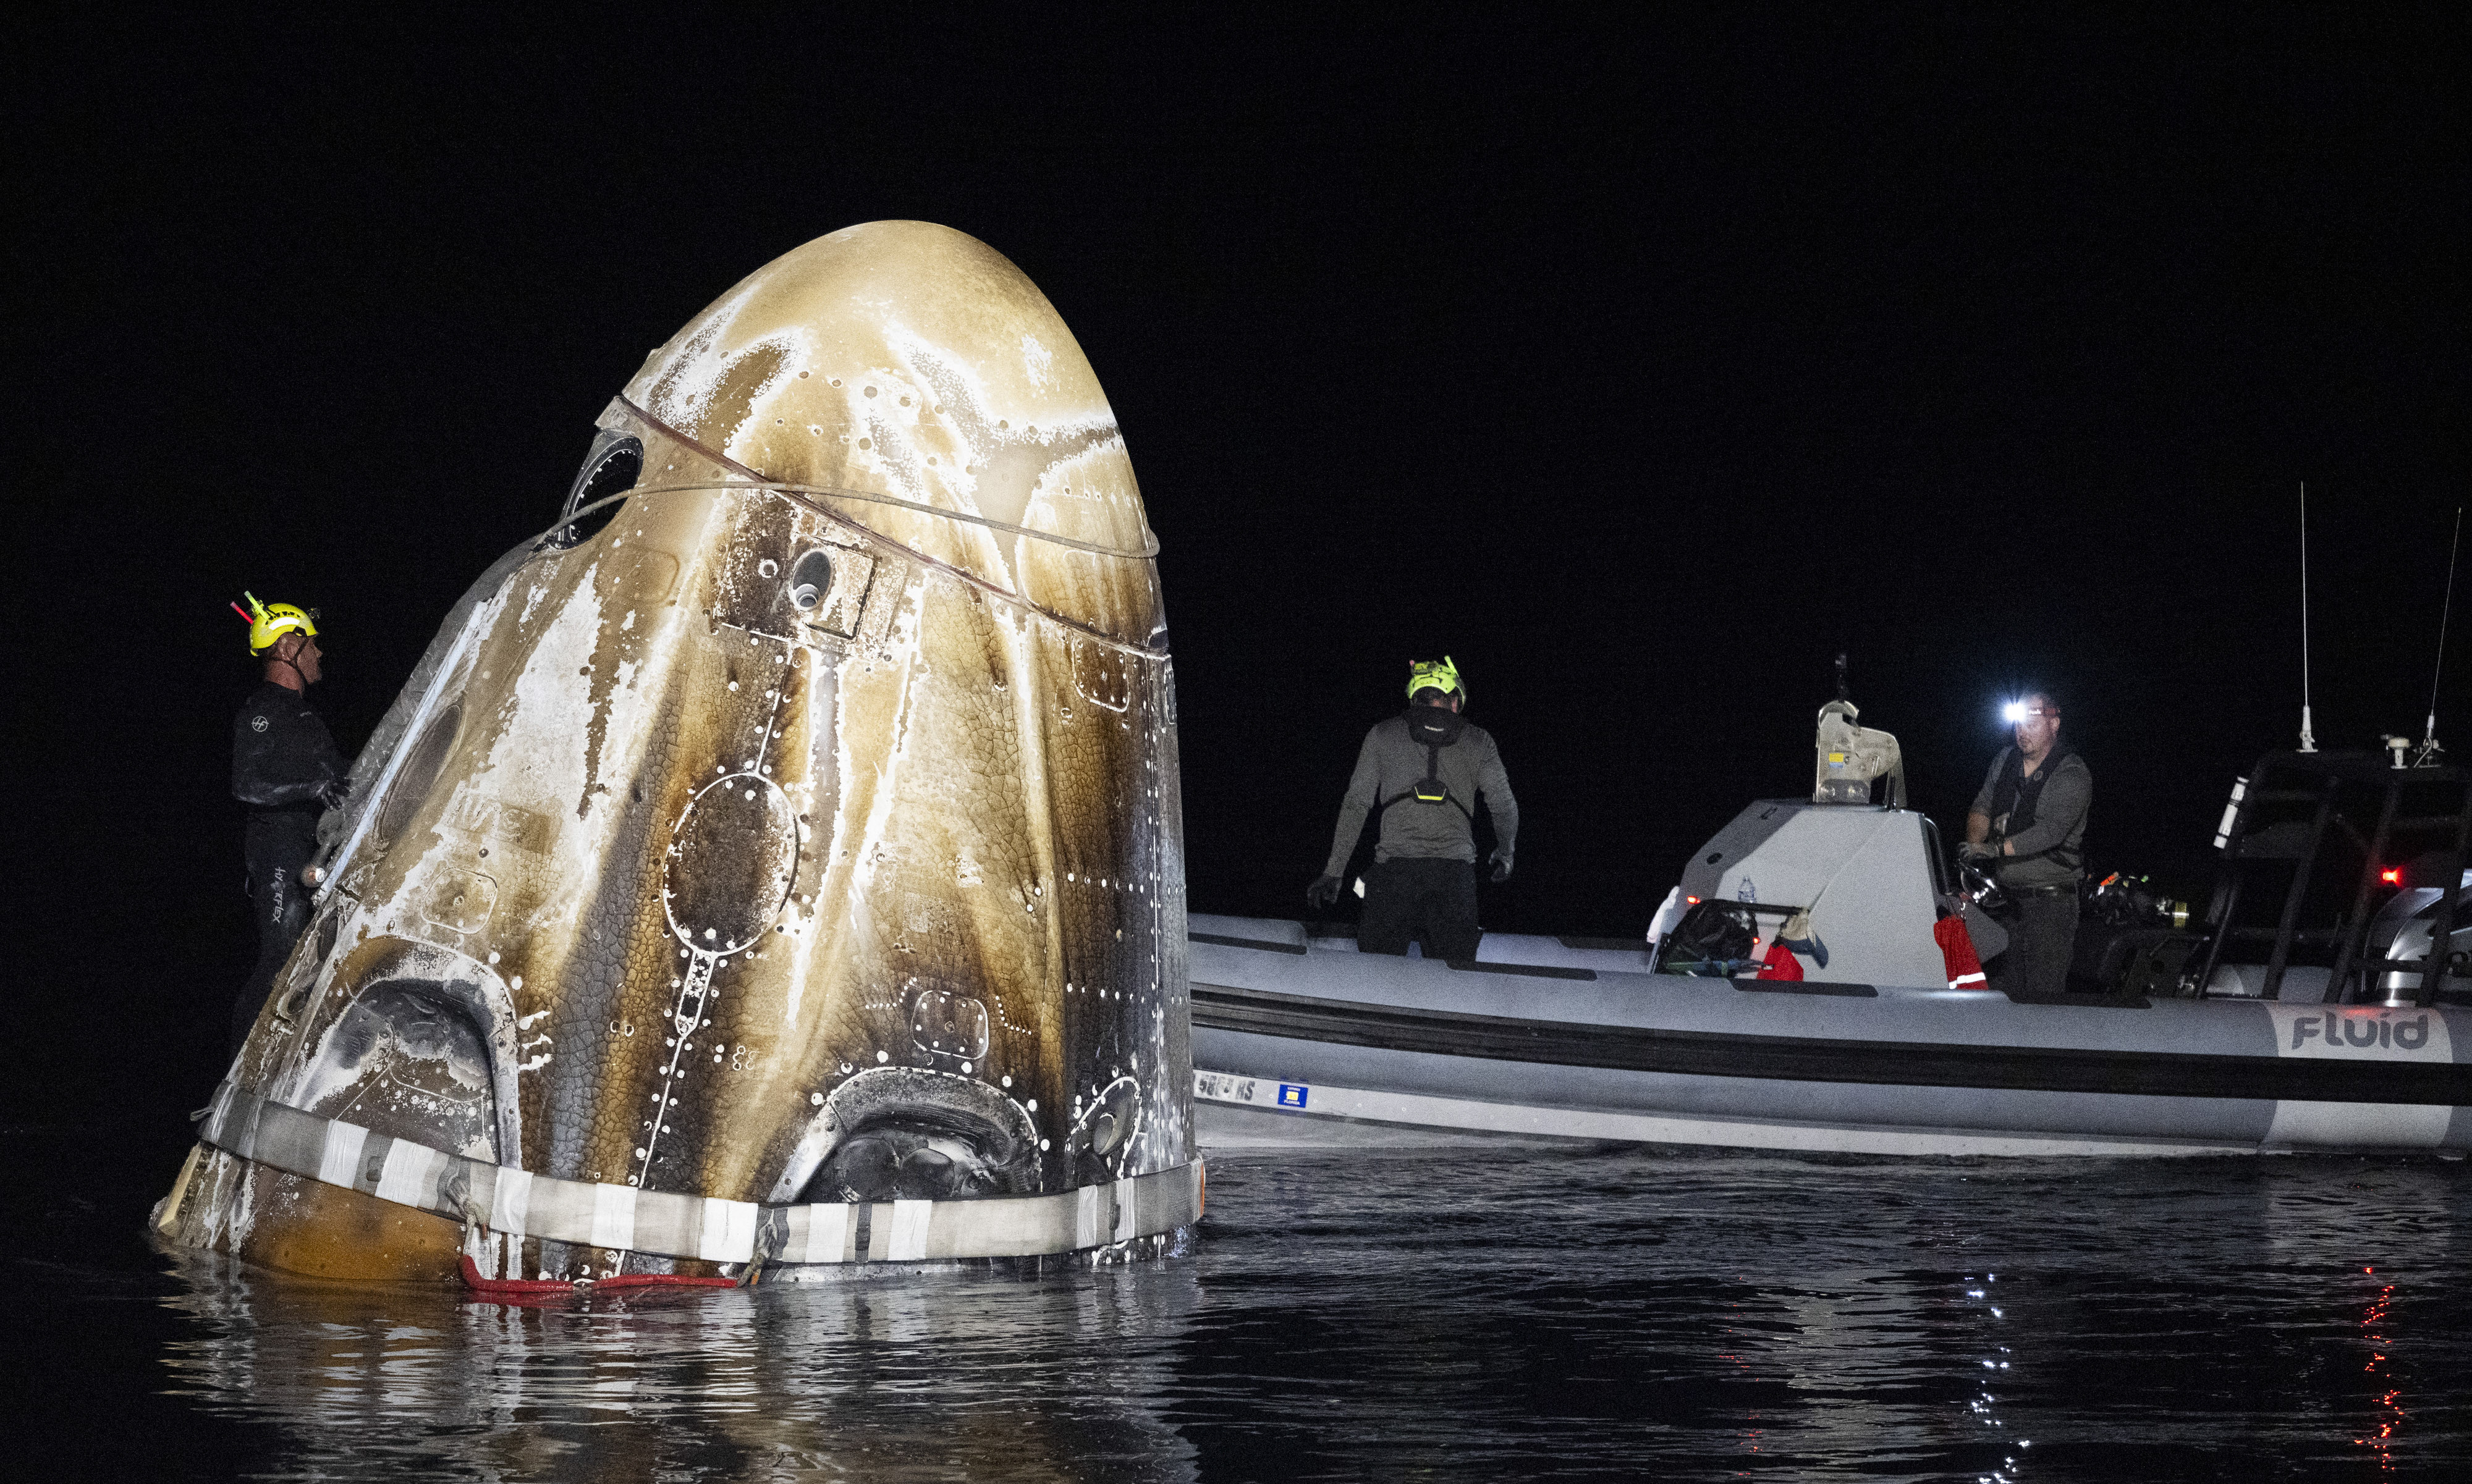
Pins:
x,y
2028,827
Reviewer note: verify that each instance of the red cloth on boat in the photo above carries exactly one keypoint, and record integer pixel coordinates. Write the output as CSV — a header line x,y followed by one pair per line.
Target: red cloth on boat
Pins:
x,y
1780,963
1956,948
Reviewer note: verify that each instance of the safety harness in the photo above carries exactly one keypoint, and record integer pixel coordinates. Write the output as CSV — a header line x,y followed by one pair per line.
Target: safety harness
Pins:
x,y
2015,795
1437,727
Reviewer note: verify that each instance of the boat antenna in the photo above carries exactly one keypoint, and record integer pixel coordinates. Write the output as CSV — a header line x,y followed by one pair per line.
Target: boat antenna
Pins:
x,y
2428,748
1841,654
2308,743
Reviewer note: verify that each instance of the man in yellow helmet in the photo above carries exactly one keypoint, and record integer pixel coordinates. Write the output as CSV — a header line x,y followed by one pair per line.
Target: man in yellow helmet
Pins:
x,y
1427,769
286,768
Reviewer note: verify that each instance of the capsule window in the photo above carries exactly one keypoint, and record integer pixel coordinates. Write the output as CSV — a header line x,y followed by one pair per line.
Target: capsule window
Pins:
x,y
612,467
420,773
811,577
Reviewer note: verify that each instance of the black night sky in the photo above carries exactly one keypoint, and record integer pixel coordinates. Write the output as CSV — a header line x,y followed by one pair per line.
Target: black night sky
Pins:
x,y
1640,369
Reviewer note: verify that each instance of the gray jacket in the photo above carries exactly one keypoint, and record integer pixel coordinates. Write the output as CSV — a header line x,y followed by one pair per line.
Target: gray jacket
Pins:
x,y
1389,765
2059,827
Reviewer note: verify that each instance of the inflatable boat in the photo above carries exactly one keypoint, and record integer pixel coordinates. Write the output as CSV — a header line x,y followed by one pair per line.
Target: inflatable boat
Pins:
x,y
1801,991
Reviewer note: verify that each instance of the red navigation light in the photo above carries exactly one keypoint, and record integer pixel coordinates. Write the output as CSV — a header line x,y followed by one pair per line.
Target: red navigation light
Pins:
x,y
2391,876
1690,900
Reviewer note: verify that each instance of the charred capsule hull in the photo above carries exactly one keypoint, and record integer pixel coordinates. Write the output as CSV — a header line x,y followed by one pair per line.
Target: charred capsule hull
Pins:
x,y
798,849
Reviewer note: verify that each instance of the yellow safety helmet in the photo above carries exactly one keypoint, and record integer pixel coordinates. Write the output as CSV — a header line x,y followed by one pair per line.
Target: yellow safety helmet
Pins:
x,y
1435,675
270,622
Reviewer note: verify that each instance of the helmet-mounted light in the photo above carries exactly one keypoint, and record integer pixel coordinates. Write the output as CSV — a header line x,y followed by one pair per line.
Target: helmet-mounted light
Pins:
x,y
268,621
1435,675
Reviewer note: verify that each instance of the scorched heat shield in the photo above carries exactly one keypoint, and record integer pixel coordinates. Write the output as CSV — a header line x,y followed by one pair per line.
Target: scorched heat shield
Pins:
x,y
785,868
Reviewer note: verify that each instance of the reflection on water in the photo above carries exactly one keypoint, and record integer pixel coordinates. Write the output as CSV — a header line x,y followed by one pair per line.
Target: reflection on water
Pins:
x,y
917,1376
1511,1315
2389,1406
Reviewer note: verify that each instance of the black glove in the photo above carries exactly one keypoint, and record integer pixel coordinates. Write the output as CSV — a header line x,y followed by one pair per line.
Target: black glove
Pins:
x,y
1502,865
1323,893
1976,850
336,794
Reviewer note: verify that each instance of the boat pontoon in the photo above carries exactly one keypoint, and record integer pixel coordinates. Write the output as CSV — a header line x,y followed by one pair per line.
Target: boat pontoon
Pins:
x,y
2345,1034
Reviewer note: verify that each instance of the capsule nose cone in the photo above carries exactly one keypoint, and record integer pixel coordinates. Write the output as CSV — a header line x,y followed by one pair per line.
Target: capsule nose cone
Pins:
x,y
917,385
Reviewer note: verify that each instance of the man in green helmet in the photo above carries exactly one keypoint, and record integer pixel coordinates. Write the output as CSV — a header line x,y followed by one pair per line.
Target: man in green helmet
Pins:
x,y
1427,769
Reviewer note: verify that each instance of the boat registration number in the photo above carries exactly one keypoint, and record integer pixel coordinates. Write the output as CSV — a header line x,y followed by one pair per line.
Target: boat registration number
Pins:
x,y
1220,1087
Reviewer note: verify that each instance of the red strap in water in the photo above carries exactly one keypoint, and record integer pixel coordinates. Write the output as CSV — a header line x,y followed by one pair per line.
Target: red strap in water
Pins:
x,y
555,1287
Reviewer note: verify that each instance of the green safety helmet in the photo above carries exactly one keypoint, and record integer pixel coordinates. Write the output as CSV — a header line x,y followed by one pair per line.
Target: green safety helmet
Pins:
x,y
1435,675
268,621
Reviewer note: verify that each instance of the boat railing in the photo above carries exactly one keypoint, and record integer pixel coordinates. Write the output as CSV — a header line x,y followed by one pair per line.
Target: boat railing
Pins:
x,y
2303,812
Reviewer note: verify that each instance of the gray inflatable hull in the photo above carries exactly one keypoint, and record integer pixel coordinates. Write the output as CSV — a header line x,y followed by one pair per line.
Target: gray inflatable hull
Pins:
x,y
1307,1042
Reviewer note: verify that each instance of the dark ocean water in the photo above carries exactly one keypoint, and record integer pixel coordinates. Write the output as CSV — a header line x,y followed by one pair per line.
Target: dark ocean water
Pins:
x,y
1508,1315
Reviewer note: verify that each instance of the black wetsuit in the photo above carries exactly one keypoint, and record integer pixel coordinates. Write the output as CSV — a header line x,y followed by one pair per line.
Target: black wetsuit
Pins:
x,y
284,760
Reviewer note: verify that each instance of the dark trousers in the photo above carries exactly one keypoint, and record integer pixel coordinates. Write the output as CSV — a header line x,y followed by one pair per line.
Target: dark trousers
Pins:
x,y
281,904
1408,898
2037,964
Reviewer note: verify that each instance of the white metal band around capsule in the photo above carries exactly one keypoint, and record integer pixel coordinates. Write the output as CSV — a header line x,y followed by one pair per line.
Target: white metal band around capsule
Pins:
x,y
516,1203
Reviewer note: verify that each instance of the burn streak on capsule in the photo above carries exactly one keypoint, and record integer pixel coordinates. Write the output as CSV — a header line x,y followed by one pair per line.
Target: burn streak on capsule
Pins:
x,y
744,846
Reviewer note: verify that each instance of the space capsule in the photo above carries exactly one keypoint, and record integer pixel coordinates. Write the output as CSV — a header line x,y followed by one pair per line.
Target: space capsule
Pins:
x,y
777,865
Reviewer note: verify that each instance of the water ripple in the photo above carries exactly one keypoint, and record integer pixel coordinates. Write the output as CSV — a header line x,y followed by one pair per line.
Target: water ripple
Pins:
x,y
1517,1315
